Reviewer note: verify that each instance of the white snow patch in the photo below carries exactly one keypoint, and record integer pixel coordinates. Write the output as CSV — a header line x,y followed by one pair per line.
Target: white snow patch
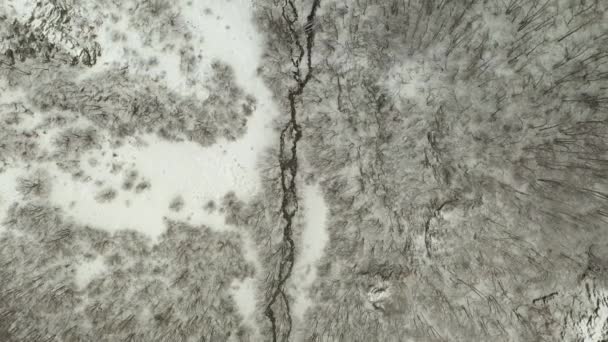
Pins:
x,y
129,51
229,34
10,94
593,327
22,8
243,293
8,192
314,239
8,171
408,80
88,270
198,174
379,293
11,101
221,30
250,251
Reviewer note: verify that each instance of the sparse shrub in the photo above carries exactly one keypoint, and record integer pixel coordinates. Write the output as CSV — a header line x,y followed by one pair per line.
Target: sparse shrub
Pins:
x,y
177,204
35,185
106,195
142,186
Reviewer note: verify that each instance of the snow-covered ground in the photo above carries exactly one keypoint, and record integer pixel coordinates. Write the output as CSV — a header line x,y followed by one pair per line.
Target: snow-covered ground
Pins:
x,y
221,30
314,238
21,8
228,34
129,51
593,326
88,270
8,192
244,293
8,173
198,174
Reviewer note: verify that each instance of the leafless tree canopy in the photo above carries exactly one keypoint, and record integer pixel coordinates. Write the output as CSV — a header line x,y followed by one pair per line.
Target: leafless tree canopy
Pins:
x,y
461,147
